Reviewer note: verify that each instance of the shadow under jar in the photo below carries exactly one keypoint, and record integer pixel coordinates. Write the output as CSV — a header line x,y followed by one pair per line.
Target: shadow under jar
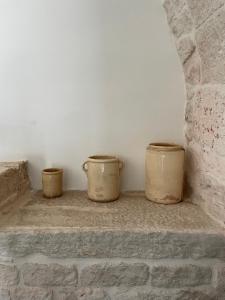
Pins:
x,y
104,176
164,173
52,182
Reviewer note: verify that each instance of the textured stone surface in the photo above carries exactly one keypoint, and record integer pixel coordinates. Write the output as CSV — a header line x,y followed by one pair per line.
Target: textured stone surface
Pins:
x,y
181,23
14,180
49,275
220,279
8,275
210,40
113,244
201,10
185,48
131,211
166,295
92,294
22,293
180,276
4,295
115,275
64,294
173,7
192,69
203,67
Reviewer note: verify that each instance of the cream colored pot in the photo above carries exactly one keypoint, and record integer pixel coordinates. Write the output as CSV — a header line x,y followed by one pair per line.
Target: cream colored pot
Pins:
x,y
103,173
52,182
164,173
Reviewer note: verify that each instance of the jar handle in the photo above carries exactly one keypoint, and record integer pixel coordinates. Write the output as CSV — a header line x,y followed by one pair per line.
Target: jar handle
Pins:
x,y
121,165
84,167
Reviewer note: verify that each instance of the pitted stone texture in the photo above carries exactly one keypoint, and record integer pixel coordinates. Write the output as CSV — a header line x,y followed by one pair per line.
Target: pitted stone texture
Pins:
x,y
207,115
49,275
23,293
64,294
92,294
182,23
201,10
220,280
108,244
115,275
163,294
173,7
4,295
210,40
185,48
170,276
192,69
13,178
9,275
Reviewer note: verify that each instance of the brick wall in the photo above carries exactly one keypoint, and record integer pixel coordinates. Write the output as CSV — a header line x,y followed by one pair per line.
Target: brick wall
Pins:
x,y
199,30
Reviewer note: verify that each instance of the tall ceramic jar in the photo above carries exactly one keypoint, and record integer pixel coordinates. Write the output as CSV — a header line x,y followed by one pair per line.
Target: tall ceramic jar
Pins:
x,y
104,174
164,173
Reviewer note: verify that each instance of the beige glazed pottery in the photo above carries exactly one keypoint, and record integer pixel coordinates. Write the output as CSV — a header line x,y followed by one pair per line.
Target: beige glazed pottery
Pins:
x,y
164,173
103,173
52,182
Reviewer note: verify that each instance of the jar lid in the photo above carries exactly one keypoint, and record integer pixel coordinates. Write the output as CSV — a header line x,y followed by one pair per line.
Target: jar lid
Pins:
x,y
165,147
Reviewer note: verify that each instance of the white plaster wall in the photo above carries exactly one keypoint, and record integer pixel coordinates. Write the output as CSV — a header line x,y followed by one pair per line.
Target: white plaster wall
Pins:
x,y
80,77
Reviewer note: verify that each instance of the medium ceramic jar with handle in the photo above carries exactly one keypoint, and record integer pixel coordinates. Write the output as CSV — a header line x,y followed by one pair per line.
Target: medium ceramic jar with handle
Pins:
x,y
164,173
52,182
104,174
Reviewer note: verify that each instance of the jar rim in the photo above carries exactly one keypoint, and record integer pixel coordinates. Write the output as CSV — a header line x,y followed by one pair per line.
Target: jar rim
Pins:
x,y
102,158
158,146
52,171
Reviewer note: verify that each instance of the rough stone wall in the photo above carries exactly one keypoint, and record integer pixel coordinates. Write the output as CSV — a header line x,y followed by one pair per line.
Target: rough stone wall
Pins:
x,y
88,279
199,30
89,265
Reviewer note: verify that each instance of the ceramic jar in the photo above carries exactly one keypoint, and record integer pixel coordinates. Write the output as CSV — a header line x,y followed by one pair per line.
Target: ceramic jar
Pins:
x,y
104,174
52,182
164,173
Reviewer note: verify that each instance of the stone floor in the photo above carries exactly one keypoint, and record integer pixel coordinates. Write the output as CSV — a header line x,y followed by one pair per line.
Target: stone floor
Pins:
x,y
131,211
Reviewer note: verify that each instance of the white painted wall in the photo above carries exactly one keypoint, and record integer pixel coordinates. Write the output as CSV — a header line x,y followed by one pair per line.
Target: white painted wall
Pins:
x,y
80,77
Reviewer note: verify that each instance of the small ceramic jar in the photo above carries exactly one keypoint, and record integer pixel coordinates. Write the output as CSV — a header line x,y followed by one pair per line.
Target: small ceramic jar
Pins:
x,y
164,173
104,174
52,182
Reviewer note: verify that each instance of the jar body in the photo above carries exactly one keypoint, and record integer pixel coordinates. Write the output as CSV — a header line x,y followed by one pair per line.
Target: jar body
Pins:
x,y
103,173
52,182
164,173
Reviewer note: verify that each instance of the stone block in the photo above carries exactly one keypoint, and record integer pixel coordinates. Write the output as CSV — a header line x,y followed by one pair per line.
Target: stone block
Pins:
x,y
123,244
175,276
23,293
49,275
210,40
201,10
9,275
115,275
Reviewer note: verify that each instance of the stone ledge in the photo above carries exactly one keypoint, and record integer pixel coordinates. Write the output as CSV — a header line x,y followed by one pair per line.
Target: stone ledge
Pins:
x,y
73,226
